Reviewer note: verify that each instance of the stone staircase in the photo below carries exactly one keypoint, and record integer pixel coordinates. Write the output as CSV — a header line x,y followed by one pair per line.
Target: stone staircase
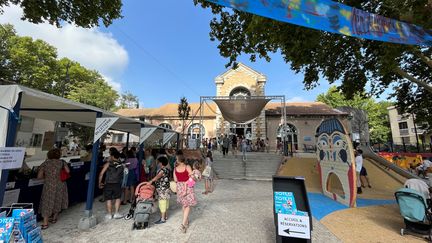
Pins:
x,y
258,166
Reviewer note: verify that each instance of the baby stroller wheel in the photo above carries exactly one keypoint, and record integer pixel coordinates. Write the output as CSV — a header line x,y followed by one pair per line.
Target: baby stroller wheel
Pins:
x,y
402,232
146,225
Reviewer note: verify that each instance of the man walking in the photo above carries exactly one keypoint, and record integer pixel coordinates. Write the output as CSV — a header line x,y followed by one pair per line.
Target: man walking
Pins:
x,y
225,145
112,186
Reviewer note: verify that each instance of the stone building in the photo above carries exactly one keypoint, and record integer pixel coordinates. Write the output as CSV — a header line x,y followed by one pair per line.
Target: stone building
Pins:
x,y
303,118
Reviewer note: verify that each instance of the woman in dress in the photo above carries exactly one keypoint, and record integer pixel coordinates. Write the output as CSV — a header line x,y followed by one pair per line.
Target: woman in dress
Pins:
x,y
54,197
162,183
185,195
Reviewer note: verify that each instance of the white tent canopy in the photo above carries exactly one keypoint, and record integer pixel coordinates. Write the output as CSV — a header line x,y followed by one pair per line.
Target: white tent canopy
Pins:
x,y
46,106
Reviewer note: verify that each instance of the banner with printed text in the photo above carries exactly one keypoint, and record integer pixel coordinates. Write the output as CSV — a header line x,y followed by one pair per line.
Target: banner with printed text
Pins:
x,y
334,17
102,126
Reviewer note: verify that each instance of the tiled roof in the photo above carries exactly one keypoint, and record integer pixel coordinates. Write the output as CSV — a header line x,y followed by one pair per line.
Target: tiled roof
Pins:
x,y
273,108
302,108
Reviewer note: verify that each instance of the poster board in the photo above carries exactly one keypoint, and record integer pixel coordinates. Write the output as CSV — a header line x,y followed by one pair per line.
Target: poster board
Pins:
x,y
48,141
292,213
11,157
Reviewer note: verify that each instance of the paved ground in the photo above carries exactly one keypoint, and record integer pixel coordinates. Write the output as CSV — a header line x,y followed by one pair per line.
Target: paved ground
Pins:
x,y
237,211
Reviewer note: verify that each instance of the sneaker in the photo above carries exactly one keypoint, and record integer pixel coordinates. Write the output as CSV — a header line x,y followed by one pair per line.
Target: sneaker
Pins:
x,y
160,221
108,217
118,216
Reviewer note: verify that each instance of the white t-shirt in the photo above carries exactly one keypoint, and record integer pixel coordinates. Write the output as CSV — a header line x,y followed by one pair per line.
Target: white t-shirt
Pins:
x,y
359,163
427,164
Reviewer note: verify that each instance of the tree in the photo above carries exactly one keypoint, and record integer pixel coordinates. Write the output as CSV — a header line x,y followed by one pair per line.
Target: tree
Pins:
x,y
81,13
355,62
183,112
377,121
97,93
128,101
34,63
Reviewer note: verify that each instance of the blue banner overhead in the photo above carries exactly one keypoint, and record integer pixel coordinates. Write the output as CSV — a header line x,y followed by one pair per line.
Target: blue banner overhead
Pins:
x,y
334,17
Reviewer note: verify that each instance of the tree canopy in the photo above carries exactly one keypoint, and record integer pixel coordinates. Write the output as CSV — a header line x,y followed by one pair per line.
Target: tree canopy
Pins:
x,y
81,13
34,63
379,127
128,101
355,62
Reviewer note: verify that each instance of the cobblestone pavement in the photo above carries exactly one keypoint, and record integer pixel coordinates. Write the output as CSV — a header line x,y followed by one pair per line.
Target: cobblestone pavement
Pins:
x,y
237,211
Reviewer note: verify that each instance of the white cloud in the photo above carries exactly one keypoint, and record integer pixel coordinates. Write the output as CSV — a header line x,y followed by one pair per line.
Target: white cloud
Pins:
x,y
296,99
90,47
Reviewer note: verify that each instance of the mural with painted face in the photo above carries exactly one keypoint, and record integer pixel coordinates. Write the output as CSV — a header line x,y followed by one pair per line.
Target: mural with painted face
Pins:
x,y
335,155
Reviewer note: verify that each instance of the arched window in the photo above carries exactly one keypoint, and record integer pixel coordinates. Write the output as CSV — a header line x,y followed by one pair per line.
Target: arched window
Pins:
x,y
240,92
196,130
166,125
291,134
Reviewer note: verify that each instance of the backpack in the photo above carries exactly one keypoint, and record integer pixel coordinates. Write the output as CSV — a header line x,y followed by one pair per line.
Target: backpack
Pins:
x,y
114,173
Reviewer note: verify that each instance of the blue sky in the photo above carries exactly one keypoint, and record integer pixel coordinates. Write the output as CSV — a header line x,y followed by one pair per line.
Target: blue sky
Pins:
x,y
159,51
171,55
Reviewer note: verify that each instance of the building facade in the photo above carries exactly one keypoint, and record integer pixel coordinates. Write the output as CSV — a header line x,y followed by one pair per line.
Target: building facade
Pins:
x,y
303,118
404,131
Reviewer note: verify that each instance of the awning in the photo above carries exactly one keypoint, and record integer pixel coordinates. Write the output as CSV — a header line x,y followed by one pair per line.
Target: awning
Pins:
x,y
38,104
241,110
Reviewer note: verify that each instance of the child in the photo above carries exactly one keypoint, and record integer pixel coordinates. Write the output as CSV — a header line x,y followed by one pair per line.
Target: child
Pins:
x,y
209,178
195,175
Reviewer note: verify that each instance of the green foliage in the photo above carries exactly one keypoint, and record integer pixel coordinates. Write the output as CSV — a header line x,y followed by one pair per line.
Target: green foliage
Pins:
x,y
128,101
184,109
81,13
355,62
34,63
97,93
379,126
183,112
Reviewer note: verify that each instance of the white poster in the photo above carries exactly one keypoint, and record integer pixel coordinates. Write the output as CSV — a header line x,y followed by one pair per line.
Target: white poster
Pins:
x,y
11,157
295,226
167,136
10,197
102,126
146,132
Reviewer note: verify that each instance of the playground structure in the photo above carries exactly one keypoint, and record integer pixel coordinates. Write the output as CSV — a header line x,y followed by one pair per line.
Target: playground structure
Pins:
x,y
336,157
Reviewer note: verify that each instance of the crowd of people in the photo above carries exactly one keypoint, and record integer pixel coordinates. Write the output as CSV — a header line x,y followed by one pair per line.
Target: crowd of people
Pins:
x,y
120,173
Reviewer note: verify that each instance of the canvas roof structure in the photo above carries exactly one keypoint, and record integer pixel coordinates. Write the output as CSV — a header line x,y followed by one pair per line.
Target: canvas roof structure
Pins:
x,y
38,104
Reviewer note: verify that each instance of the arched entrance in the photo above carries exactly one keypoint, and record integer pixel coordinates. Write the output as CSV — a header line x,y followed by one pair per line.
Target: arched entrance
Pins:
x,y
291,134
195,131
240,129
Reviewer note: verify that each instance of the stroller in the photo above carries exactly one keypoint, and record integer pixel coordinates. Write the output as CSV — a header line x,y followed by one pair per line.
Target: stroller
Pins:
x,y
414,209
141,208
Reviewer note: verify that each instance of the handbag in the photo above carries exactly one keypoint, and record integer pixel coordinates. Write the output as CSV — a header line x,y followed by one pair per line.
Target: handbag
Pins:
x,y
64,175
173,186
207,171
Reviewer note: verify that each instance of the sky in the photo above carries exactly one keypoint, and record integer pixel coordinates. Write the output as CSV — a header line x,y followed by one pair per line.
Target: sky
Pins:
x,y
159,51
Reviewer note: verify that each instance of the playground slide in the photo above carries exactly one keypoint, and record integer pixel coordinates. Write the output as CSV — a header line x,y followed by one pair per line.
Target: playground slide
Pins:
x,y
370,154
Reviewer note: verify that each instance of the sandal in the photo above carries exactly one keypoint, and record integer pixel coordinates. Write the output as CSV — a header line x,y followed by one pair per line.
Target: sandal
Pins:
x,y
183,228
44,227
53,221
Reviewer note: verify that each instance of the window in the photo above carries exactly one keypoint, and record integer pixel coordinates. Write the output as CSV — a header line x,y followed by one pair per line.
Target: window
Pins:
x,y
403,125
166,125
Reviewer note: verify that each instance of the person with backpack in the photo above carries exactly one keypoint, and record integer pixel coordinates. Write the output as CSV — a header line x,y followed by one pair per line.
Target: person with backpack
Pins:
x,y
112,186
